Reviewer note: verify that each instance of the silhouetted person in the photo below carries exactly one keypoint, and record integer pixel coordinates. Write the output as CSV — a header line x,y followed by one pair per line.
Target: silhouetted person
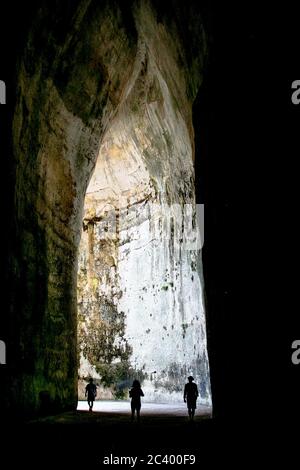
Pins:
x,y
135,394
91,393
190,396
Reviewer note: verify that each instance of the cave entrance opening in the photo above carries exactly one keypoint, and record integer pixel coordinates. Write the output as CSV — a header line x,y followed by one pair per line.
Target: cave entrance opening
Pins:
x,y
140,291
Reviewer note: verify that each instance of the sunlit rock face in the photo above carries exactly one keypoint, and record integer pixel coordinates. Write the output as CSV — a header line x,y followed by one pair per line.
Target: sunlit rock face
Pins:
x,y
78,59
104,86
137,265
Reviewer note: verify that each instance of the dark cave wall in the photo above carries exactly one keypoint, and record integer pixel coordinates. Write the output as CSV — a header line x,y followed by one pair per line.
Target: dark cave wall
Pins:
x,y
68,90
71,79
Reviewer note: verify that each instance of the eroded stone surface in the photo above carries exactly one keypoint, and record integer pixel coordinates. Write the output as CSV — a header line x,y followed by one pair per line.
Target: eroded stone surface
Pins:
x,y
91,74
143,269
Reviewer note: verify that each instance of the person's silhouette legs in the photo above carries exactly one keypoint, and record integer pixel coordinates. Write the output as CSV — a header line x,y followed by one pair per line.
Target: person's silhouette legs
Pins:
x,y
90,403
137,410
191,413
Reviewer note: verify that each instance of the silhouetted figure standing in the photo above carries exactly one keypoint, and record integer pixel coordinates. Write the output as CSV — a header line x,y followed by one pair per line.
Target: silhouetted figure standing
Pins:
x,y
190,396
91,393
135,394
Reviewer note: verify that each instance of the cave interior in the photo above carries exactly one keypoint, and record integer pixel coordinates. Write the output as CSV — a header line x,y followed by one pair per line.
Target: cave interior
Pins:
x,y
121,103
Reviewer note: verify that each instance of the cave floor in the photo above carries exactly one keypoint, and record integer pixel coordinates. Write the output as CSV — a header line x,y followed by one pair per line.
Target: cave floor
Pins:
x,y
109,413
79,436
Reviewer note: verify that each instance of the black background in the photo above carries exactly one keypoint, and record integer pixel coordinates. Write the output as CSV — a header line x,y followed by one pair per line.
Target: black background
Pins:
x,y
247,175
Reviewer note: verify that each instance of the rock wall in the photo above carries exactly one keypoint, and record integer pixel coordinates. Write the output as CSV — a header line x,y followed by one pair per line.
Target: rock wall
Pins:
x,y
68,90
84,65
138,266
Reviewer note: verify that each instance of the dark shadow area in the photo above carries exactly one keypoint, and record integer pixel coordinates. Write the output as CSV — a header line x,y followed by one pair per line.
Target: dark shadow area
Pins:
x,y
12,36
232,160
237,138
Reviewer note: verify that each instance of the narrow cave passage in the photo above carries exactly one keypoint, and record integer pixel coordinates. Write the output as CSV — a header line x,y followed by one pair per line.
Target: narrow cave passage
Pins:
x,y
140,290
